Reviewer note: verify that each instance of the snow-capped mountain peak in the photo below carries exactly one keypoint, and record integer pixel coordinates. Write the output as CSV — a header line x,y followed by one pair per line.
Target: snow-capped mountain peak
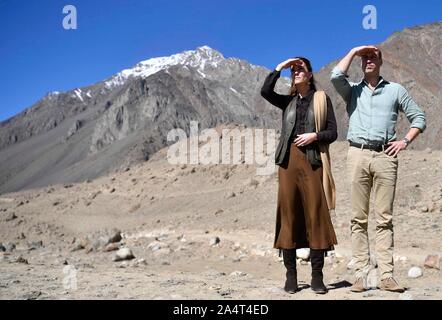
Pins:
x,y
199,58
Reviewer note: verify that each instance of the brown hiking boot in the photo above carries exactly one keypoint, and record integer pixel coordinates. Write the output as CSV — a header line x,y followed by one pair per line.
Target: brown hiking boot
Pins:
x,y
390,284
358,286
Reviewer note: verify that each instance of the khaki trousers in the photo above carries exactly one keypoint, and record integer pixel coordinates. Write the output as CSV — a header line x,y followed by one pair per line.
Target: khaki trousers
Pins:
x,y
370,170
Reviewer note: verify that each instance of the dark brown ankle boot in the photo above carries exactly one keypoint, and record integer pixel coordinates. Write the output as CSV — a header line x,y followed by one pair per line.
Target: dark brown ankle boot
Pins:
x,y
317,261
291,282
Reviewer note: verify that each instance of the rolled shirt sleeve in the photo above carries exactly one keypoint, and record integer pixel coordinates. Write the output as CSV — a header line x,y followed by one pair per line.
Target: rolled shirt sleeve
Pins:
x,y
412,111
341,83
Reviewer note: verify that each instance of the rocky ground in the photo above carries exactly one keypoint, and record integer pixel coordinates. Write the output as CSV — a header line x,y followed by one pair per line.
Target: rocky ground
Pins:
x,y
201,232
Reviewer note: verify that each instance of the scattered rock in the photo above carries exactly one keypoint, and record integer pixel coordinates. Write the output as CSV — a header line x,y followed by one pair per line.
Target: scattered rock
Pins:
x,y
424,209
139,263
231,195
217,212
123,264
20,259
258,252
154,245
94,194
80,244
432,261
400,258
415,272
32,295
115,236
135,208
35,245
236,246
214,241
405,296
123,254
303,253
9,247
111,247
225,293
10,216
238,274
213,273
2,248
163,251
254,183
100,240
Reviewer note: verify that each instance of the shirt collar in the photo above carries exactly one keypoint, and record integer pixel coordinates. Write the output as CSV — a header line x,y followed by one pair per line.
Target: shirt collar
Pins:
x,y
381,81
308,96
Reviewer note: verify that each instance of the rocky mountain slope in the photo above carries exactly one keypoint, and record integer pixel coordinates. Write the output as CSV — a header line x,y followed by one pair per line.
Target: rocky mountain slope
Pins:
x,y
86,132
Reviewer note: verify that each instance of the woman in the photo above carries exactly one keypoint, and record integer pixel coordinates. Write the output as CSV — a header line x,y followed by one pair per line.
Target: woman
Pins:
x,y
306,190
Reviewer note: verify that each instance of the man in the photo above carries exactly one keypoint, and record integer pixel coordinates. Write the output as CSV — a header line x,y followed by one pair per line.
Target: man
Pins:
x,y
373,105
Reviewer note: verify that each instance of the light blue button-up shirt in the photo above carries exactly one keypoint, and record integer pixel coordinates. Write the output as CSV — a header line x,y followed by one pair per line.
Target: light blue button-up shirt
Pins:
x,y
373,114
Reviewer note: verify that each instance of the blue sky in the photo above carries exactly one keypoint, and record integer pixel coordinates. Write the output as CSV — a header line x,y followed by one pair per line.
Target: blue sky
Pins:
x,y
37,55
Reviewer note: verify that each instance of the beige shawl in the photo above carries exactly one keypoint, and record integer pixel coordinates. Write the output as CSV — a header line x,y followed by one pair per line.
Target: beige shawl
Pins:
x,y
320,111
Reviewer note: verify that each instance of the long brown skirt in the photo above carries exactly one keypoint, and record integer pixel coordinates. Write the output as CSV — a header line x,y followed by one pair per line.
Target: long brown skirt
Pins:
x,y
302,216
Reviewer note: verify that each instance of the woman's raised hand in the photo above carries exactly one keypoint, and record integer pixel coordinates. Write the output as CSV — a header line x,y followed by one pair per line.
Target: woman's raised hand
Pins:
x,y
288,63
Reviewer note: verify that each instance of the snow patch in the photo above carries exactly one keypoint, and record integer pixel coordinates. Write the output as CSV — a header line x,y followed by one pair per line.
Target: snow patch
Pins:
x,y
200,58
77,93
234,90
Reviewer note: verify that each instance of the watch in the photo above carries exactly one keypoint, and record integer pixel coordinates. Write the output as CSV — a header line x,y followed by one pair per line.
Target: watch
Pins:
x,y
406,141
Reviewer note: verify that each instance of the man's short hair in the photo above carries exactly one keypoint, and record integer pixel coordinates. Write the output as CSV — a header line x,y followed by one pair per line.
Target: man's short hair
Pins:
x,y
380,54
